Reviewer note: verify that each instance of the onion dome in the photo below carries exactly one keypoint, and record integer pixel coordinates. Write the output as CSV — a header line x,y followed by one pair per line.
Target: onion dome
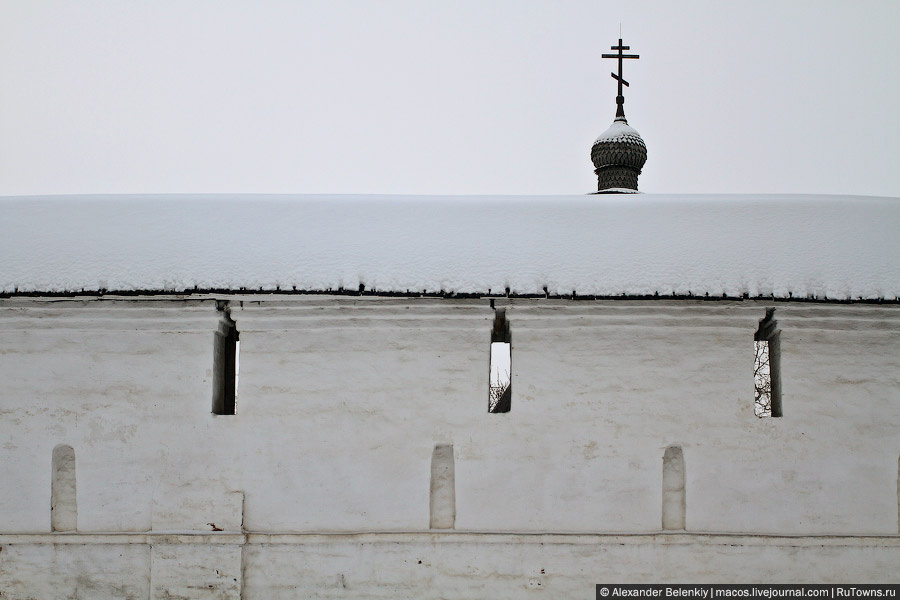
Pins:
x,y
618,155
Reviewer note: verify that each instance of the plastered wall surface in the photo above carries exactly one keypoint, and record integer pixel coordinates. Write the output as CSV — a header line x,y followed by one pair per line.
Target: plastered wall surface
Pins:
x,y
46,570
341,403
422,565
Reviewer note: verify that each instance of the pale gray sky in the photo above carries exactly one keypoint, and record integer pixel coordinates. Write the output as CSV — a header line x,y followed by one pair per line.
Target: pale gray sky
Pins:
x,y
426,97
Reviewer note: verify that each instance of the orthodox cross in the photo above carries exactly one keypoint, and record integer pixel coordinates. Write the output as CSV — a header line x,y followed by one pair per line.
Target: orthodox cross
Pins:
x,y
620,99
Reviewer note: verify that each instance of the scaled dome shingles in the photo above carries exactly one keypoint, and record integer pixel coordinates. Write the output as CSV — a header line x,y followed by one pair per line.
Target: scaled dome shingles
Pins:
x,y
620,145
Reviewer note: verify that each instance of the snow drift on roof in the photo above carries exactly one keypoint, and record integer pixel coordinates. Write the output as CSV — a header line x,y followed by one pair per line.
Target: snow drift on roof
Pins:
x,y
837,247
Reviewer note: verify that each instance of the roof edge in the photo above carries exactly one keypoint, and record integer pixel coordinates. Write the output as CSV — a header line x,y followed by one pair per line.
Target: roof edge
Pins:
x,y
448,295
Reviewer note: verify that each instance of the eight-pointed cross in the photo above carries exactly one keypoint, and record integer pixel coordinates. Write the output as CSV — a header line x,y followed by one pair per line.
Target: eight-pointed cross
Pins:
x,y
620,99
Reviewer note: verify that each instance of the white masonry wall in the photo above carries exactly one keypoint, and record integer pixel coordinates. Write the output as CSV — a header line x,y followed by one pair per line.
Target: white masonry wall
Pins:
x,y
321,480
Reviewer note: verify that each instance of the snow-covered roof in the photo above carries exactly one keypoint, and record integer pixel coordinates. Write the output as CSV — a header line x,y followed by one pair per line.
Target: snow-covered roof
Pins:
x,y
839,247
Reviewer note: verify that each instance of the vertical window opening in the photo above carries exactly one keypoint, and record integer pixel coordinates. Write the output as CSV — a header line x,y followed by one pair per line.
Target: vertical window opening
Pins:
x,y
63,496
767,367
500,383
443,488
226,361
673,508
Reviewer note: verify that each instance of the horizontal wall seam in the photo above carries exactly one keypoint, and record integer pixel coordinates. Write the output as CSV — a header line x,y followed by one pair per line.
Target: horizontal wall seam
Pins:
x,y
452,537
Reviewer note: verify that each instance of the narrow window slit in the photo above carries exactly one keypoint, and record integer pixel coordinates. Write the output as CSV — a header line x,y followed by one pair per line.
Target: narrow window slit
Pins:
x,y
226,361
63,494
500,383
767,367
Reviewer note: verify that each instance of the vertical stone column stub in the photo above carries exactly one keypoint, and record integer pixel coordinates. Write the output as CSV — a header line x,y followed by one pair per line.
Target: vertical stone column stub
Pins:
x,y
443,488
63,490
673,505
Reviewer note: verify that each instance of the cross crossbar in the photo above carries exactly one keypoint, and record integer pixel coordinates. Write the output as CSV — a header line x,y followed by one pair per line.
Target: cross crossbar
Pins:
x,y
620,99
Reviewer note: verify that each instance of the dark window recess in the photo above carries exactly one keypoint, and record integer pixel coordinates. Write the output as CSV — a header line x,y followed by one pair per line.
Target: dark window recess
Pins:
x,y
500,383
225,363
767,367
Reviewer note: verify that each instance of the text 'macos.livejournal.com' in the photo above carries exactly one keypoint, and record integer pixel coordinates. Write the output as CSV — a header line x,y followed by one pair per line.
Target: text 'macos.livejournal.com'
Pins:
x,y
610,591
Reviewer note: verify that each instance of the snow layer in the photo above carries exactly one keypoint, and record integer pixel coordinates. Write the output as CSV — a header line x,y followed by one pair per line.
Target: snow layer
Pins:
x,y
619,131
839,247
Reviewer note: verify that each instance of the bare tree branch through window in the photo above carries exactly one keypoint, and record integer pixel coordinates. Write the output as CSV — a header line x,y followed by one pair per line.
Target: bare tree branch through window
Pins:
x,y
762,380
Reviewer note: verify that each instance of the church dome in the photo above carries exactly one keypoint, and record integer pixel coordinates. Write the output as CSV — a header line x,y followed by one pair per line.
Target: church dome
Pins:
x,y
618,155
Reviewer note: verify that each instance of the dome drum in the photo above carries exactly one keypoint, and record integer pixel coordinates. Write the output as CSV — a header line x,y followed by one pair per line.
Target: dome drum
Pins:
x,y
617,177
